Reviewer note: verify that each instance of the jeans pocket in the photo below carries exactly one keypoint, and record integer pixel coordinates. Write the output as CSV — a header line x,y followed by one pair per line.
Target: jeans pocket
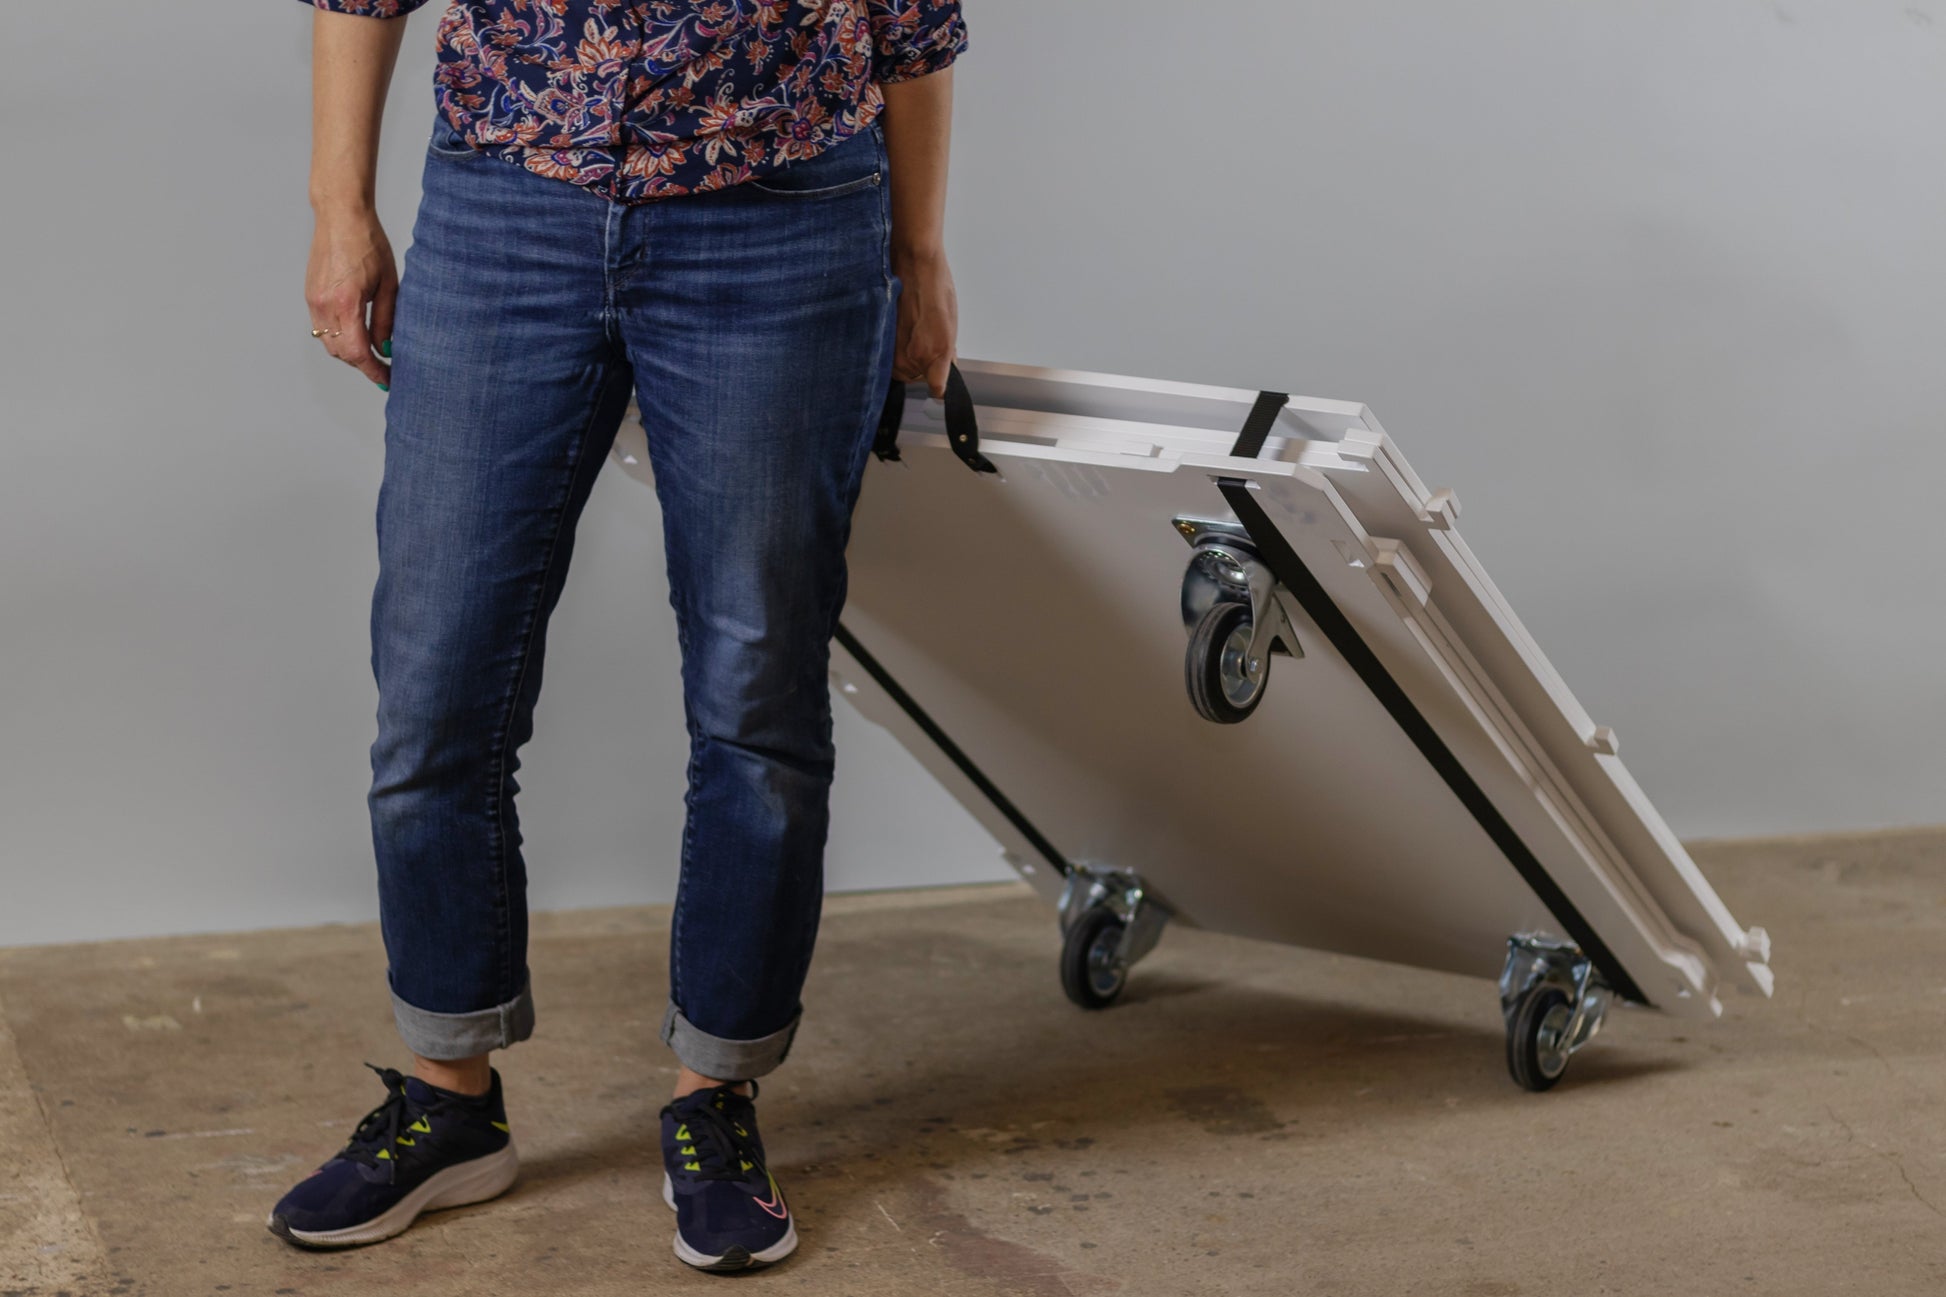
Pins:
x,y
446,142
851,164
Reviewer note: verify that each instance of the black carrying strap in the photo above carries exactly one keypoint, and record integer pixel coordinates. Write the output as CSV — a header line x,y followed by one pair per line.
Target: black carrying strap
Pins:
x,y
953,751
886,444
962,428
1263,417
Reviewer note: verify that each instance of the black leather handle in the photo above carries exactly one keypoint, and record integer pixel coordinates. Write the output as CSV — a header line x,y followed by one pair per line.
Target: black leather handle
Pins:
x,y
962,427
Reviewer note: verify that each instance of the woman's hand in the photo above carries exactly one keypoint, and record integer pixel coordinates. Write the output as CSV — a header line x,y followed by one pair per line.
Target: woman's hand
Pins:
x,y
928,319
351,268
351,265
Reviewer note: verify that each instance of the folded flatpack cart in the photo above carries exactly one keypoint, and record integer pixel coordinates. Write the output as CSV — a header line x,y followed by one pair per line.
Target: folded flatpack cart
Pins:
x,y
1219,658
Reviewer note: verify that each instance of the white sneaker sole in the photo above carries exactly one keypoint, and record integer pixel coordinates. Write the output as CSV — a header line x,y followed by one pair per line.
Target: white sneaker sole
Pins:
x,y
456,1186
777,1251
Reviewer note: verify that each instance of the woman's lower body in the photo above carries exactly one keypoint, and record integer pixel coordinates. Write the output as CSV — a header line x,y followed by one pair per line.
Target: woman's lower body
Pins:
x,y
756,327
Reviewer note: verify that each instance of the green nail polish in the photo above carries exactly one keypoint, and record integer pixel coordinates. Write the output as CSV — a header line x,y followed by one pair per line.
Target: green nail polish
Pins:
x,y
385,347
384,387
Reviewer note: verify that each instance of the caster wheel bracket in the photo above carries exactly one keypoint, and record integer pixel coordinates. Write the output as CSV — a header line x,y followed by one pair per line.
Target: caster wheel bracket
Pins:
x,y
1233,610
1538,965
1224,567
1122,894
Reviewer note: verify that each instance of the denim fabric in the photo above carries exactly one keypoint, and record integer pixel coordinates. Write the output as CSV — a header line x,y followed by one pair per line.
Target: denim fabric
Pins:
x,y
756,325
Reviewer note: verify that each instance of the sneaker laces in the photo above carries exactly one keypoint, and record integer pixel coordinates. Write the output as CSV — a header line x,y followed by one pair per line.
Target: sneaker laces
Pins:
x,y
716,1145
377,1136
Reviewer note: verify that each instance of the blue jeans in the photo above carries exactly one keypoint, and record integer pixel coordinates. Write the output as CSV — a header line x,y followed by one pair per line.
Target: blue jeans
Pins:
x,y
756,325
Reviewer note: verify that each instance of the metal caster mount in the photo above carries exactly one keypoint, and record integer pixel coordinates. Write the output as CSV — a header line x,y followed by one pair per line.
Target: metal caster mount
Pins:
x,y
1235,620
1554,1002
1108,921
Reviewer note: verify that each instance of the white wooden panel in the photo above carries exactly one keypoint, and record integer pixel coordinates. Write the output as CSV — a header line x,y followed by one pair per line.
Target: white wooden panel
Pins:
x,y
1034,616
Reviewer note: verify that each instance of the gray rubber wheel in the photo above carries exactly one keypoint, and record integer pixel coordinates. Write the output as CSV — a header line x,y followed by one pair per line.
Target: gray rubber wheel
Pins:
x,y
1536,1055
1223,685
1089,973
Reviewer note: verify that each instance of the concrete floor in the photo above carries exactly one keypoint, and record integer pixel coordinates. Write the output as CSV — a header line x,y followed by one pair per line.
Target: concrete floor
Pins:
x,y
1251,1119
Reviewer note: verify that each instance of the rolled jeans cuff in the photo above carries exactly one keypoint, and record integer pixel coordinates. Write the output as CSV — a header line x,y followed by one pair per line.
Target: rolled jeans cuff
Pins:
x,y
721,1058
463,1035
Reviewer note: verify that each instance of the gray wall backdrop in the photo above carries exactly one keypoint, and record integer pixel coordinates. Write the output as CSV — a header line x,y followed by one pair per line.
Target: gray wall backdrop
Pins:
x,y
1654,285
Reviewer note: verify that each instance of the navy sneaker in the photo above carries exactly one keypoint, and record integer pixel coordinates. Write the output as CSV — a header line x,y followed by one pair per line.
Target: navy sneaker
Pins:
x,y
422,1149
730,1214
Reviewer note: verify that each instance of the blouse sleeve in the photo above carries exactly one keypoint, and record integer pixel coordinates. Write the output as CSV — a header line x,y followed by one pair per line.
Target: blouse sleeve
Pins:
x,y
911,38
367,8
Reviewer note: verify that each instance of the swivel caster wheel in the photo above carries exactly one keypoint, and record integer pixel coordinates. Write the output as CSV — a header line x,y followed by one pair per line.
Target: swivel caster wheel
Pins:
x,y
1537,1038
1092,970
1226,681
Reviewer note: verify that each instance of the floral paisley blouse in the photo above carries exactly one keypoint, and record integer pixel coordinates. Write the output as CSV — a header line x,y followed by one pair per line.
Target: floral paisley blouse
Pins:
x,y
646,99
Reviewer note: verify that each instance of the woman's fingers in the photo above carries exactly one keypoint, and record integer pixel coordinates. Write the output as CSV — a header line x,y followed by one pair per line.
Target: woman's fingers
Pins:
x,y
936,373
929,363
928,323
924,350
357,350
914,366
383,302
341,314
351,269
